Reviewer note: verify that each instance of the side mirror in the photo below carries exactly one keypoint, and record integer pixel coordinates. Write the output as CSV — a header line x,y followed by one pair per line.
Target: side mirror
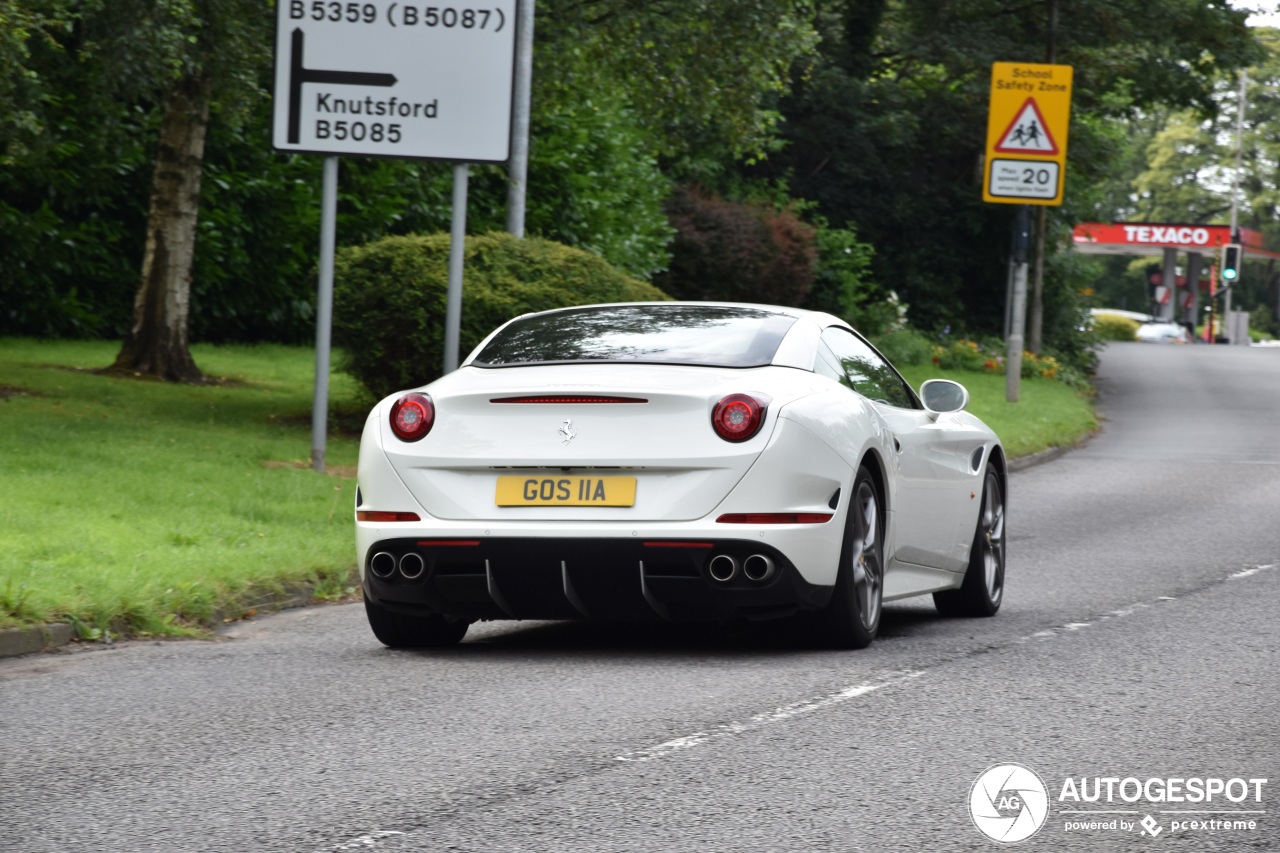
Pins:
x,y
942,395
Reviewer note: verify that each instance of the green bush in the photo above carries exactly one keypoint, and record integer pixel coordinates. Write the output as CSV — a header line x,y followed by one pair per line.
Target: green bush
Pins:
x,y
904,347
1262,322
390,296
966,354
842,283
1114,327
989,356
737,251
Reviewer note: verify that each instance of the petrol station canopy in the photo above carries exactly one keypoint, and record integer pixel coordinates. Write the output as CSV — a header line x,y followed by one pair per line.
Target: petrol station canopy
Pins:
x,y
1152,238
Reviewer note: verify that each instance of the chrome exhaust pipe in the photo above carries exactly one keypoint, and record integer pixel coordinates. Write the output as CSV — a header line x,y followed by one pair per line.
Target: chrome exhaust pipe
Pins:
x,y
412,566
758,568
382,564
722,568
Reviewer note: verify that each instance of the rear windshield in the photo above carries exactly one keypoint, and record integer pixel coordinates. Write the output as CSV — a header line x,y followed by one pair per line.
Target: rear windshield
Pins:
x,y
661,333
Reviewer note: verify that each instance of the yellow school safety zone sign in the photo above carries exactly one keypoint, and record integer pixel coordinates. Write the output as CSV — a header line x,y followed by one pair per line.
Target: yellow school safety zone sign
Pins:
x,y
1027,123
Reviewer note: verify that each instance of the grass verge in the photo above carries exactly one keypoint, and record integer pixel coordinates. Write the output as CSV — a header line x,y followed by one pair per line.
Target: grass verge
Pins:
x,y
145,508
1048,413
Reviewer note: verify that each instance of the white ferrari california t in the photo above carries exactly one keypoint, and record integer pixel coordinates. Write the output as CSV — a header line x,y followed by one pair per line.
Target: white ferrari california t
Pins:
x,y
675,461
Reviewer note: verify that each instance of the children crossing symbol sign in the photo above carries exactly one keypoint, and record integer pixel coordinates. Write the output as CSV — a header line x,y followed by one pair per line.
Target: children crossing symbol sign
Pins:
x,y
1027,124
1028,133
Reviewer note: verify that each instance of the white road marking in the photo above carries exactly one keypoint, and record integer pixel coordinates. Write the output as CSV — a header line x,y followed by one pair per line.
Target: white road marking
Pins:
x,y
364,842
1051,633
808,706
1126,611
1252,571
786,712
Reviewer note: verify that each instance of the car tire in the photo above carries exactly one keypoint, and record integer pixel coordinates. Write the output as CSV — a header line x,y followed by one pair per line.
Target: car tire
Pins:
x,y
401,631
852,617
983,588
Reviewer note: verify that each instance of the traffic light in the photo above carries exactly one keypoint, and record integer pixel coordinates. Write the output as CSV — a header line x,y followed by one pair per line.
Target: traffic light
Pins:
x,y
1231,257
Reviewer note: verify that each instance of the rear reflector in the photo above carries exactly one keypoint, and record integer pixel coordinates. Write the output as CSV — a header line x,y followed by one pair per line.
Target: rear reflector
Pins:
x,y
568,398
679,544
379,515
775,518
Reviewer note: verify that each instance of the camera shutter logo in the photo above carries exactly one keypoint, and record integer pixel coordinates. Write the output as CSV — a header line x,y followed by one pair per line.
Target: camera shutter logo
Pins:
x,y
1008,803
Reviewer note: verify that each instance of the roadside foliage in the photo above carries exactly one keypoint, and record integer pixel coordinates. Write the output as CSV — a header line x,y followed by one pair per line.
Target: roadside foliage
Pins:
x,y
857,118
389,297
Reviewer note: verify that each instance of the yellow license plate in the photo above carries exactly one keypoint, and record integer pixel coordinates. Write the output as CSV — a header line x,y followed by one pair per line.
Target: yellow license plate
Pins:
x,y
566,491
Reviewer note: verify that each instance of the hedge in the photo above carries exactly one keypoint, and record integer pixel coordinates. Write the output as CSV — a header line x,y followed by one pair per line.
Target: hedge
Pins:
x,y
1115,327
390,297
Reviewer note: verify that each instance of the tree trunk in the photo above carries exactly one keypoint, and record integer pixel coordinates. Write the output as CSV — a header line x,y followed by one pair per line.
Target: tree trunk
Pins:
x,y
157,344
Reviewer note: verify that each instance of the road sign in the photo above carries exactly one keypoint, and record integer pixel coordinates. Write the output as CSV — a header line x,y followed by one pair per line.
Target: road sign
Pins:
x,y
1028,133
1027,123
391,79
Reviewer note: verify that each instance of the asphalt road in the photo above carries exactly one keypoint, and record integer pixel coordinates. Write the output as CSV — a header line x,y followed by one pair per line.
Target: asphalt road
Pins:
x,y
1138,640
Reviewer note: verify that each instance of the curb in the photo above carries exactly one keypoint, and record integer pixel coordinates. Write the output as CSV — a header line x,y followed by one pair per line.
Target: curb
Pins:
x,y
1022,463
43,638
26,641
1031,460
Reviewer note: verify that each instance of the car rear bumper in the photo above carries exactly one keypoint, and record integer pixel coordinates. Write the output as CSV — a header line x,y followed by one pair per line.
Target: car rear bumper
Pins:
x,y
586,578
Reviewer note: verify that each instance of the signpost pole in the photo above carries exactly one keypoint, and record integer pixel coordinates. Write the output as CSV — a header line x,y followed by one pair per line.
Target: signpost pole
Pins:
x,y
1211,334
1008,296
1190,310
457,247
1035,332
1165,311
1013,359
1241,107
518,172
324,311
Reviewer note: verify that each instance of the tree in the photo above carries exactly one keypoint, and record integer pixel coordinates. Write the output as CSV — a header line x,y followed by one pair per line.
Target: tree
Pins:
x,y
737,252
109,58
72,184
1188,167
699,74
157,343
886,132
24,28
179,52
104,59
627,94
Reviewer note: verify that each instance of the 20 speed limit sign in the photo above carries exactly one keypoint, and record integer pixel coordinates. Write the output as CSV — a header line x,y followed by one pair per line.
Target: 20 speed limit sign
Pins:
x,y
1024,179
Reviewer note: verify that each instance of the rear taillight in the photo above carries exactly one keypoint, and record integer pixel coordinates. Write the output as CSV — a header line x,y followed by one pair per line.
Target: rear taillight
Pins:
x,y
738,417
412,416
